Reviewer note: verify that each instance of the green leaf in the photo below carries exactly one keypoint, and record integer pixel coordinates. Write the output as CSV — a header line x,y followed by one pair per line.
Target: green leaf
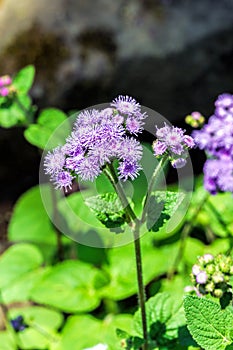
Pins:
x,y
7,341
123,274
108,209
42,325
19,289
12,114
208,324
24,79
18,260
85,331
71,286
162,205
51,129
81,220
164,318
30,221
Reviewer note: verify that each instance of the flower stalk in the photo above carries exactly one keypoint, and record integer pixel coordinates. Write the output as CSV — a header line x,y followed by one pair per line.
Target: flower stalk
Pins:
x,y
135,227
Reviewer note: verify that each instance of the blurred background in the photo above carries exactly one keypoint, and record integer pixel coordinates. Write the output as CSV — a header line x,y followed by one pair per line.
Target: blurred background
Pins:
x,y
174,56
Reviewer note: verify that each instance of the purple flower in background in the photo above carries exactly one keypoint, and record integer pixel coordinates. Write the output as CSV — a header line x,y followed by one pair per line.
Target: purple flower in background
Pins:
x,y
172,141
224,101
216,138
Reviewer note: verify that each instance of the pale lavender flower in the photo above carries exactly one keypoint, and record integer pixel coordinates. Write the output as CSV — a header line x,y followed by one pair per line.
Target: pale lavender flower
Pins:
x,y
130,149
196,269
178,163
72,163
201,277
128,170
103,154
86,118
159,148
63,179
54,161
172,141
208,258
134,126
126,105
189,141
174,137
73,148
88,169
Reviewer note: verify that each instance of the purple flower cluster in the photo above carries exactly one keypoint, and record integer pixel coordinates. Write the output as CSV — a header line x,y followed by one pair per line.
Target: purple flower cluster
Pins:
x,y
5,82
98,138
172,141
216,138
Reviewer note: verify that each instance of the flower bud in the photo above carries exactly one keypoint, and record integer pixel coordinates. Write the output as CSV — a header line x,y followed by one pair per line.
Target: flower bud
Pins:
x,y
210,269
218,277
209,287
218,293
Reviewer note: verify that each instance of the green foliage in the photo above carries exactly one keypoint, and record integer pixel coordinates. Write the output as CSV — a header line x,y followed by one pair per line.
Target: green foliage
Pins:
x,y
42,325
108,209
50,130
162,205
41,331
37,227
209,325
215,212
122,271
70,286
18,260
85,331
164,318
16,108
24,79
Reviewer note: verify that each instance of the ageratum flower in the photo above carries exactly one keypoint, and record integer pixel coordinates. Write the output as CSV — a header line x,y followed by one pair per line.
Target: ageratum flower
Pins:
x,y
173,142
216,138
98,138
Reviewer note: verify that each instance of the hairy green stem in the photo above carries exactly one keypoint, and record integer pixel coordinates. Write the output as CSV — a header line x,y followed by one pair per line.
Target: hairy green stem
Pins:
x,y
55,218
153,179
135,227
